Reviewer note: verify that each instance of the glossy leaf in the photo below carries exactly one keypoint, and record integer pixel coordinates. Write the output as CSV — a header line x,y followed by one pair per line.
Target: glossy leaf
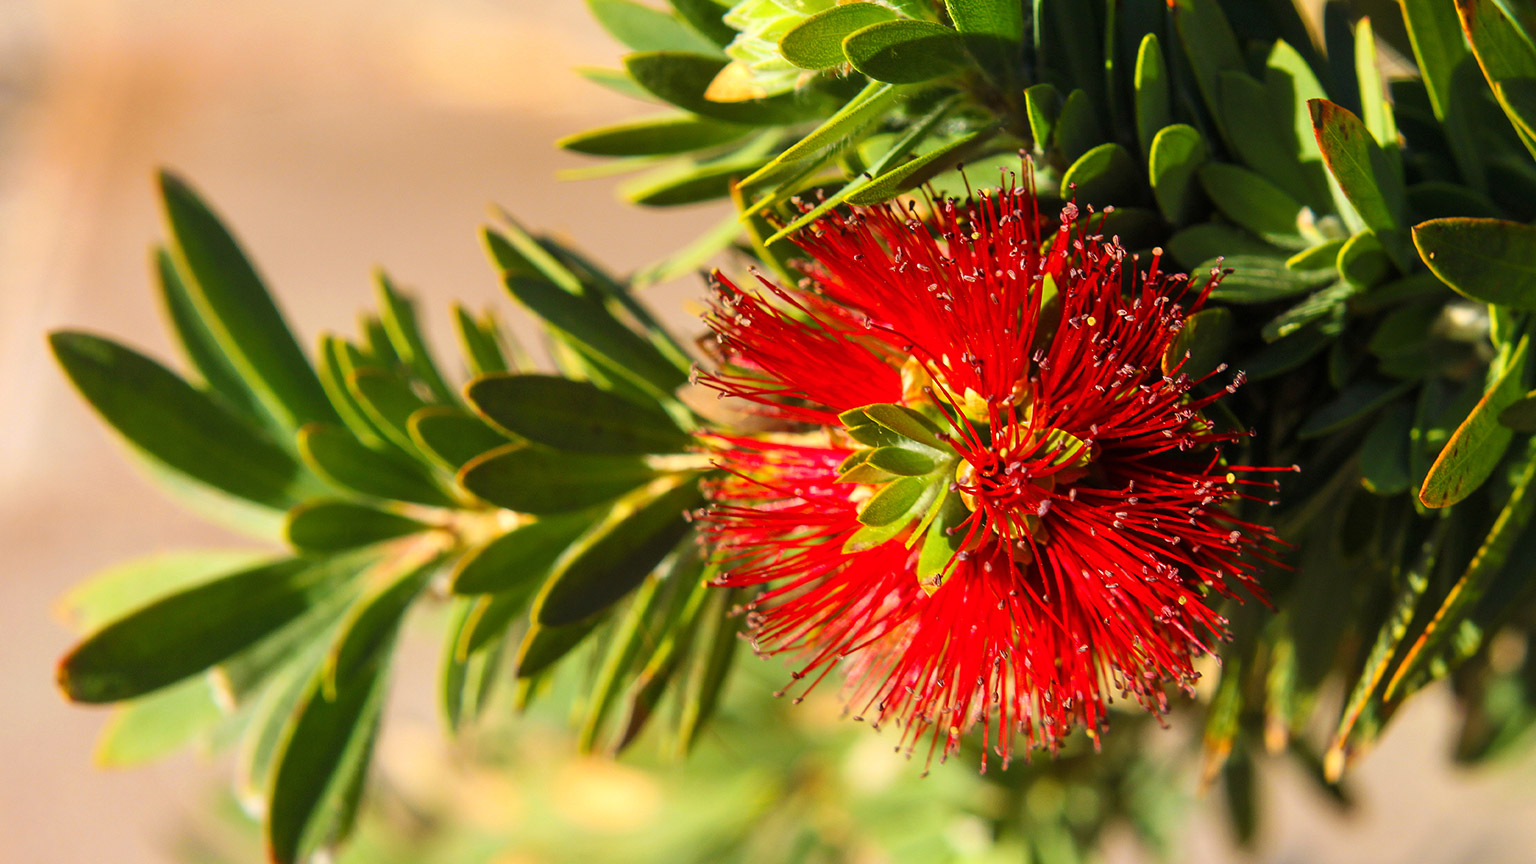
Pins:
x,y
1153,100
642,28
237,309
535,480
682,78
1262,279
574,416
398,315
321,761
817,42
187,632
1362,170
334,454
178,426
452,437
589,325
334,526
521,556
1102,176
909,174
1478,444
617,553
993,31
1253,202
1176,155
905,51
1489,260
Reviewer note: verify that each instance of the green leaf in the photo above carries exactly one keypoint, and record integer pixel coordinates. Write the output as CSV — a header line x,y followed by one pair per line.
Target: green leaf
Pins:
x,y
905,51
481,340
718,637
235,306
689,182
1210,46
573,416
940,543
1289,85
817,42
642,28
1200,243
592,327
1384,468
334,454
184,633
1486,563
388,402
545,645
1077,127
835,134
904,421
521,557
452,437
465,683
618,552
1042,105
130,586
654,136
894,503
1367,177
1441,51
321,761
1294,349
993,31
534,480
1254,203
638,628
1356,401
1259,139
1177,153
706,17
338,360
1153,103
202,349
334,526
681,78
1363,262
1103,176
152,727
902,461
1262,279
1485,259
178,426
1375,111
371,623
1478,444
1504,53
399,318
1520,415
907,175
1325,303
1205,338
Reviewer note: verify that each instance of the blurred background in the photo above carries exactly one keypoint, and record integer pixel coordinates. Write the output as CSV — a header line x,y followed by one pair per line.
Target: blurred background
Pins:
x,y
338,135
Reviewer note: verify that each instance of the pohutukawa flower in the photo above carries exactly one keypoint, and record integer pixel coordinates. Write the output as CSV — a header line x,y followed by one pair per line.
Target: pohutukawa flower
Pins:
x,y
983,497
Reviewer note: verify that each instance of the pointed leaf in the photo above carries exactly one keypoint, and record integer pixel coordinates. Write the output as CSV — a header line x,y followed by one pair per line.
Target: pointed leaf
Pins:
x,y
178,426
334,454
521,557
534,480
1478,444
817,42
573,416
1485,259
905,51
187,632
334,526
642,28
236,307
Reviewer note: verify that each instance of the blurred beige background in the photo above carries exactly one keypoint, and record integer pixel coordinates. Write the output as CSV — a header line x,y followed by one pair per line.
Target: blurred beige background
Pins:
x,y
336,135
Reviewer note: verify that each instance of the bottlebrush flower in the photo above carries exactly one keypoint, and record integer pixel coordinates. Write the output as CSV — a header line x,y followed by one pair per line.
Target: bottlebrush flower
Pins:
x,y
982,497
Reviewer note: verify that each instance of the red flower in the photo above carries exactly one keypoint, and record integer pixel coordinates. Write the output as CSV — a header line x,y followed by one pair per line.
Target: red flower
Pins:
x,y
985,501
